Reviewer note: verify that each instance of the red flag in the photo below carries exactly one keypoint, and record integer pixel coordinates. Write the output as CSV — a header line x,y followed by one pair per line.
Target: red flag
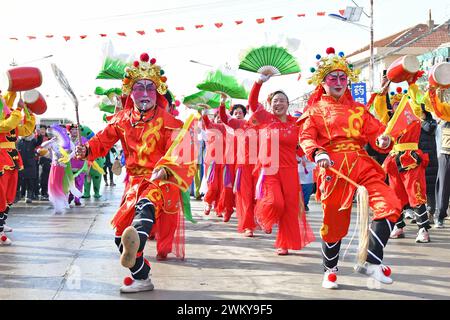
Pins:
x,y
83,36
239,21
261,20
342,12
31,37
160,30
198,26
321,14
122,34
67,38
219,24
402,120
103,35
180,28
301,15
49,36
141,32
276,18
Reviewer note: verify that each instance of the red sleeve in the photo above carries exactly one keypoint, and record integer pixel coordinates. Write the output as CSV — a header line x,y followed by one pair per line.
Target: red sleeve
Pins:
x,y
373,128
206,122
308,136
224,117
253,97
100,144
211,125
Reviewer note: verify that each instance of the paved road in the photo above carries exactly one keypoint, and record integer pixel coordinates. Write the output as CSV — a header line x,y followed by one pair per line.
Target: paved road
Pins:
x,y
73,256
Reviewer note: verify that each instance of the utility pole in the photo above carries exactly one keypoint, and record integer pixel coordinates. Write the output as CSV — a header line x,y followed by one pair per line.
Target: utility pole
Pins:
x,y
371,64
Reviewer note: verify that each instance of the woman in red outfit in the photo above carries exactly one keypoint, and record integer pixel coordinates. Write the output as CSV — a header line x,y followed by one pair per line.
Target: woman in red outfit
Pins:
x,y
245,181
278,189
220,173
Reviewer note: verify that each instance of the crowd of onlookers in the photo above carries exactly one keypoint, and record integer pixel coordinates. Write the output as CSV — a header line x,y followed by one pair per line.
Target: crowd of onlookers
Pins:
x,y
33,179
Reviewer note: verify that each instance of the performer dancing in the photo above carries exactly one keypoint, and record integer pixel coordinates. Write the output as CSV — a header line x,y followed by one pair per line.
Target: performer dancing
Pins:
x,y
406,163
278,193
245,181
333,131
61,180
151,195
75,163
10,160
220,175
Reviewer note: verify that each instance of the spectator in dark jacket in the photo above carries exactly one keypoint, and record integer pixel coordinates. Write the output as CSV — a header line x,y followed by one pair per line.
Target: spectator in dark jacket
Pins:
x,y
26,147
427,144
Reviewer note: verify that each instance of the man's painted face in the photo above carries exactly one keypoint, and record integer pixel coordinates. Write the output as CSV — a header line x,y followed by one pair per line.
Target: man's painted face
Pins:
x,y
73,132
335,83
238,113
279,104
143,94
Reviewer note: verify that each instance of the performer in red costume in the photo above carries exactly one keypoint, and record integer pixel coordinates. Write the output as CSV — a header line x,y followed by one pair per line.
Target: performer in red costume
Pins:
x,y
151,198
406,163
245,182
11,126
333,131
220,172
278,189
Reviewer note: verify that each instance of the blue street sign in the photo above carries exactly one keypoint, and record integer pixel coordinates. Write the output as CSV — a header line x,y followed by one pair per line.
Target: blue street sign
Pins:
x,y
359,92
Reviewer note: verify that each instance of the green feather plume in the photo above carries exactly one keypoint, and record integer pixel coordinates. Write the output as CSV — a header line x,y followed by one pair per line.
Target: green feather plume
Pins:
x,y
112,69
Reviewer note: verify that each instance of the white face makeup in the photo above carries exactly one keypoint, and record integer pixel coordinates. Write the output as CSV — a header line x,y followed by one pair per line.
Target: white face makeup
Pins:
x,y
144,94
335,83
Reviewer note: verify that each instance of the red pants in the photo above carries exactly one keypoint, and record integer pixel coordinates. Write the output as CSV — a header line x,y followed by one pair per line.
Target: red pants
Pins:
x,y
280,204
226,201
334,192
169,224
245,199
8,188
410,186
213,194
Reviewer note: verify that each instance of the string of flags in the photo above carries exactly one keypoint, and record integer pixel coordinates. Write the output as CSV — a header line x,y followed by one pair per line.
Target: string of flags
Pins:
x,y
216,25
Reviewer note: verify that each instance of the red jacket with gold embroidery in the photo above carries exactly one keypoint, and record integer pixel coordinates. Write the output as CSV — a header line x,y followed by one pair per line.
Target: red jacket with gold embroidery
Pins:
x,y
144,142
338,125
341,128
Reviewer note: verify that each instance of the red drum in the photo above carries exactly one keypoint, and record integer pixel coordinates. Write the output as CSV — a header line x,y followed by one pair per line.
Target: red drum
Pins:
x,y
440,75
35,101
23,78
403,69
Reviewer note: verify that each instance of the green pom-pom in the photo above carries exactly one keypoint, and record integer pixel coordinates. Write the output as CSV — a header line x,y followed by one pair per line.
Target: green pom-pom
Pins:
x,y
161,72
312,69
350,66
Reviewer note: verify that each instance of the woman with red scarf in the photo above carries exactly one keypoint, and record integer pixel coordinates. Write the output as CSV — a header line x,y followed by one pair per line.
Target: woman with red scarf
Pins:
x,y
278,194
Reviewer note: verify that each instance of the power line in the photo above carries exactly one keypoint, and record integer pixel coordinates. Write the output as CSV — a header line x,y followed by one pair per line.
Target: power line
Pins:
x,y
208,5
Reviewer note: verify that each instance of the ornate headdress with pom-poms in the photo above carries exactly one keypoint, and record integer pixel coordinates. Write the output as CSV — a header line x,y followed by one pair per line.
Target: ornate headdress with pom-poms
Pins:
x,y
395,97
144,69
330,63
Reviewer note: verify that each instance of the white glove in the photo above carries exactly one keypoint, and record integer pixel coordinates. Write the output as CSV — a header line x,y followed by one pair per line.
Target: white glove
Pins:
x,y
383,141
264,77
323,160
